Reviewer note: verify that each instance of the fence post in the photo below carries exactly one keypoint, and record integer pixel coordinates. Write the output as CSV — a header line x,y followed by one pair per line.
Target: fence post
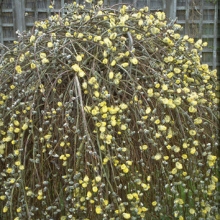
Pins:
x,y
215,37
1,29
19,10
170,8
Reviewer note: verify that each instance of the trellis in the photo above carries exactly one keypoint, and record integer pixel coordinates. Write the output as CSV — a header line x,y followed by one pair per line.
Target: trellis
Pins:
x,y
199,19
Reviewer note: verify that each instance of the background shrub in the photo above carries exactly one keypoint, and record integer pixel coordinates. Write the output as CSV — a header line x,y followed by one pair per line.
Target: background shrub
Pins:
x,y
107,114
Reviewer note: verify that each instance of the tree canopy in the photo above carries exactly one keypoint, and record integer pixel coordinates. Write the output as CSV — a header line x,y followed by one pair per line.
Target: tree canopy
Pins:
x,y
107,113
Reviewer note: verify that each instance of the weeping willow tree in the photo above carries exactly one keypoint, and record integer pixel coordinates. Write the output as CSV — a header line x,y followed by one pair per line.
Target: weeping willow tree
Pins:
x,y
107,114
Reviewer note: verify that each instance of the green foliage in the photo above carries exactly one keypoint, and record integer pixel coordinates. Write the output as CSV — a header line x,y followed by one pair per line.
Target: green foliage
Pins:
x,y
107,114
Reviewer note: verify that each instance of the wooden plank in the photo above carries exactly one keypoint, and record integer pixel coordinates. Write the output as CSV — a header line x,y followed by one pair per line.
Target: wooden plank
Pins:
x,y
170,8
7,25
62,4
140,3
8,39
19,15
200,18
187,17
14,21
208,36
181,8
36,11
1,31
6,10
156,5
215,46
105,2
148,4
135,3
47,8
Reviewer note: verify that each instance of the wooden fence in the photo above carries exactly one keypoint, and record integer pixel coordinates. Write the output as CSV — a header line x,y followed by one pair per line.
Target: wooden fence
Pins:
x,y
199,19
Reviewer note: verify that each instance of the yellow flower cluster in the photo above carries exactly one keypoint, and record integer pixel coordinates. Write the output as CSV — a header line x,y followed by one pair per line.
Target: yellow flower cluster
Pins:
x,y
109,116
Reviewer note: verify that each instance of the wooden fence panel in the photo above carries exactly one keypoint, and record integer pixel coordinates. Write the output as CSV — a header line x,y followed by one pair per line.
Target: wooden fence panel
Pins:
x,y
199,19
7,27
